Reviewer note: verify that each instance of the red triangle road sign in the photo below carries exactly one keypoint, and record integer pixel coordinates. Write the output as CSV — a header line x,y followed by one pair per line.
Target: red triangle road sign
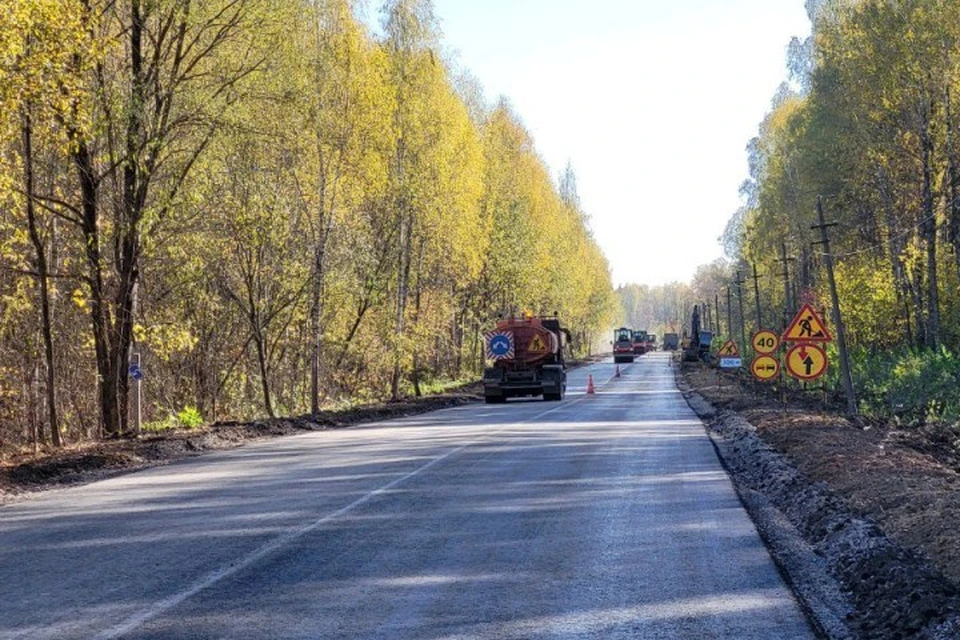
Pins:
x,y
807,326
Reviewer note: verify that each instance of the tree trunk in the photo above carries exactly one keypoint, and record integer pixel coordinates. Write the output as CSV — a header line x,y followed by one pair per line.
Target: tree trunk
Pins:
x,y
403,279
954,181
930,237
43,276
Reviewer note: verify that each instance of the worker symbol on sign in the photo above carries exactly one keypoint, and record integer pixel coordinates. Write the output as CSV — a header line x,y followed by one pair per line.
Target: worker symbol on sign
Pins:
x,y
537,345
807,326
806,329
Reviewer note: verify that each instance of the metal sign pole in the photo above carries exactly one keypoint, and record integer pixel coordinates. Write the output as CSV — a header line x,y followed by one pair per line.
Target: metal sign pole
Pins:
x,y
137,381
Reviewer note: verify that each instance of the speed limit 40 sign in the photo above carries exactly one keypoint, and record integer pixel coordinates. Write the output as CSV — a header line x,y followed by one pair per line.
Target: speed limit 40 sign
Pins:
x,y
765,342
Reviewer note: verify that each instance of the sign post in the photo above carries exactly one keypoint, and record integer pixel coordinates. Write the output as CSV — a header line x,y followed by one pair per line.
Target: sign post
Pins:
x,y
136,373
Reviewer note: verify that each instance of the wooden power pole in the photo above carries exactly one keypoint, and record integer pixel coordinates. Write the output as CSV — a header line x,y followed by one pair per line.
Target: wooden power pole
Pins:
x,y
756,296
845,376
743,321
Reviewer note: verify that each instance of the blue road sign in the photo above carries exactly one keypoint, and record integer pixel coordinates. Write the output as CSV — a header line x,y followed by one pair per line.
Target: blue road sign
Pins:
x,y
499,345
136,372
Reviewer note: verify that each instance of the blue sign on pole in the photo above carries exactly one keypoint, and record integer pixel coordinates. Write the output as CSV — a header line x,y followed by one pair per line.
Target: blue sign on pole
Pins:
x,y
136,372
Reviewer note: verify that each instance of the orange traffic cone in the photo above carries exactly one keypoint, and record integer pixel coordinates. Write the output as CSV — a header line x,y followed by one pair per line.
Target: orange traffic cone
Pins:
x,y
590,389
618,371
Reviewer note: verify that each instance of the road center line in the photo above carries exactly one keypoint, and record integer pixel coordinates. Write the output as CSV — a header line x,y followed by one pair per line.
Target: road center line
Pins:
x,y
138,619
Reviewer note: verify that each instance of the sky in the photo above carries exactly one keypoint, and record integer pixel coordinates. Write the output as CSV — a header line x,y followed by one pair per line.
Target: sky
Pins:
x,y
652,101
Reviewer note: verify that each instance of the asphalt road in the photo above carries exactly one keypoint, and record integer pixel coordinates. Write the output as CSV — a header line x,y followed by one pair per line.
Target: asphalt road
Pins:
x,y
604,516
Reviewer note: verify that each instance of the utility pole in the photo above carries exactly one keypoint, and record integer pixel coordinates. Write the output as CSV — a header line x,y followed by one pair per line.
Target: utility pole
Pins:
x,y
756,296
729,335
787,306
835,299
743,323
716,302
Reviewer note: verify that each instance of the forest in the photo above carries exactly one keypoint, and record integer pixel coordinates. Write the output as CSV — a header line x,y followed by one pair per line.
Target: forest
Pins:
x,y
269,205
868,126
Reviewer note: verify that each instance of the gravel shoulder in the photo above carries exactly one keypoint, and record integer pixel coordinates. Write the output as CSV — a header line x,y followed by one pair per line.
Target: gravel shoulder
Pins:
x,y
877,506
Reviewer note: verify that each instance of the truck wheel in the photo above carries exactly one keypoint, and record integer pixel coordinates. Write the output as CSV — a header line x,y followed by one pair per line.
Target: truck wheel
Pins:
x,y
495,399
552,397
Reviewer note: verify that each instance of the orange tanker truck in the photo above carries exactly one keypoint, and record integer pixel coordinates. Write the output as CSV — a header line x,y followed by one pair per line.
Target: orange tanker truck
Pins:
x,y
527,360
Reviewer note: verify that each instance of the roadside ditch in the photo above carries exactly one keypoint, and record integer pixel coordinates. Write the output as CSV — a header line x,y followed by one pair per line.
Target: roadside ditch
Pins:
x,y
863,520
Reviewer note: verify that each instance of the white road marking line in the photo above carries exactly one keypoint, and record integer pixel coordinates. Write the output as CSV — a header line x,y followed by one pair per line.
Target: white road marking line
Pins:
x,y
138,619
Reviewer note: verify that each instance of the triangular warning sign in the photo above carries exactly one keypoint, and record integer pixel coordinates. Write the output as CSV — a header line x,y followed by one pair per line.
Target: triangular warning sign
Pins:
x,y
729,350
807,326
537,345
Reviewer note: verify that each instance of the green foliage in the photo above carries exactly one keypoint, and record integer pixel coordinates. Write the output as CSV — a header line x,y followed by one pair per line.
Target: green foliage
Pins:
x,y
915,386
190,418
298,190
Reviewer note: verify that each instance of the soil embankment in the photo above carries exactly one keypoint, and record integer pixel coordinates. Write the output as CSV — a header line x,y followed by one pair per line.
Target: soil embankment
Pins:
x,y
878,504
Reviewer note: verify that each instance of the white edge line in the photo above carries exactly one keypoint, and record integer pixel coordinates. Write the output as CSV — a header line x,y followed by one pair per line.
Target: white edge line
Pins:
x,y
136,620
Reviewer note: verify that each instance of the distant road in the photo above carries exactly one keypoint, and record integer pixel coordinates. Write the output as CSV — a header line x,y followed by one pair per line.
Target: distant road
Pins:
x,y
603,516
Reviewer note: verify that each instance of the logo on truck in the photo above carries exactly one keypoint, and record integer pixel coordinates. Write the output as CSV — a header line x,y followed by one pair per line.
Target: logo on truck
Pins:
x,y
499,345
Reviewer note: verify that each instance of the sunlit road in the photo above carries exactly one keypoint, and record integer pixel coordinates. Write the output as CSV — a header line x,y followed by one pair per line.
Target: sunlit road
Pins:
x,y
603,516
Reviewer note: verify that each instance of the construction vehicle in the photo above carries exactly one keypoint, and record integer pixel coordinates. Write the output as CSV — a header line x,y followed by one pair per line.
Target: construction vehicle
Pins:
x,y
651,342
671,342
623,345
640,342
527,356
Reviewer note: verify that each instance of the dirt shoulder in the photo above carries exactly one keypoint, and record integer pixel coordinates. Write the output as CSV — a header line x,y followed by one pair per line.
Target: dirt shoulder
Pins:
x,y
22,476
79,464
880,504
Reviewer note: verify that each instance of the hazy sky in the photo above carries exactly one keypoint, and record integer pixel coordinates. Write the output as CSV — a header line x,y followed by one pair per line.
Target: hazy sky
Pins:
x,y
652,100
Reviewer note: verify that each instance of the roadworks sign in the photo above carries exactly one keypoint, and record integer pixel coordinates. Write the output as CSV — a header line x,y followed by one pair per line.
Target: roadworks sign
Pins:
x,y
765,368
537,345
807,326
729,350
807,362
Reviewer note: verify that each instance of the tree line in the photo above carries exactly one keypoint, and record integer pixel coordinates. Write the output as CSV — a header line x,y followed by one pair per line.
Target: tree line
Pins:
x,y
868,125
272,206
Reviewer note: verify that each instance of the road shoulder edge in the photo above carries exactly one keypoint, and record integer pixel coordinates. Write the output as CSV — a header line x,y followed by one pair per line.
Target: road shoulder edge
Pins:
x,y
818,594
849,577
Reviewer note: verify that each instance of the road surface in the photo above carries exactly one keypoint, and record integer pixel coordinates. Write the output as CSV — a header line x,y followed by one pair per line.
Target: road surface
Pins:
x,y
604,516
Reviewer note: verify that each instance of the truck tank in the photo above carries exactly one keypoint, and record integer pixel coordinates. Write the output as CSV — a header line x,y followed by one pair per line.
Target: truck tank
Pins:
x,y
527,355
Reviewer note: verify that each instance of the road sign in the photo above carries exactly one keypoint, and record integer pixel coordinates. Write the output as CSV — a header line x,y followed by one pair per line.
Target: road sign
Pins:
x,y
765,368
537,345
499,345
136,372
807,361
765,342
807,326
731,363
729,350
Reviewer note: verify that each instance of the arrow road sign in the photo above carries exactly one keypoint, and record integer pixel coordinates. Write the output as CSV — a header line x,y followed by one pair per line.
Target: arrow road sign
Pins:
x,y
499,345
806,361
765,368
